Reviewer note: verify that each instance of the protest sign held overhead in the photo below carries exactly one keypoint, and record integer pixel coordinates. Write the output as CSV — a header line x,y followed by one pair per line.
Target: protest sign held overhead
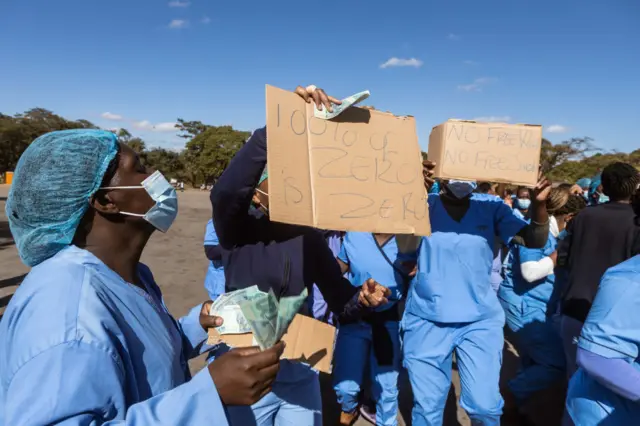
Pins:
x,y
494,152
360,171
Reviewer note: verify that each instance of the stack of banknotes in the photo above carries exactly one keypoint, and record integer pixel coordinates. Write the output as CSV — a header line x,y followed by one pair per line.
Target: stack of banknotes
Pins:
x,y
253,311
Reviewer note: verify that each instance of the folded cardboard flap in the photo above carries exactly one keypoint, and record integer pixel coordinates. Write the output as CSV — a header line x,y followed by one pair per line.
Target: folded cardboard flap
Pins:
x,y
494,152
307,340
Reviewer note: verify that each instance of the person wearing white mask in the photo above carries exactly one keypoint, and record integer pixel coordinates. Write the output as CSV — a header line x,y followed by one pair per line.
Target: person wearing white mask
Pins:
x,y
86,338
522,202
451,307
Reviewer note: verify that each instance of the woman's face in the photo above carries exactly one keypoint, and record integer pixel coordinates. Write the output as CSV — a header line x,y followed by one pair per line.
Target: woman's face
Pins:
x,y
523,194
130,172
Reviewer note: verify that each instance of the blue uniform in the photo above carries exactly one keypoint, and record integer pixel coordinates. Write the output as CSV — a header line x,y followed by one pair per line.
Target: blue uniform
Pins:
x,y
214,281
354,347
538,344
80,346
612,330
452,307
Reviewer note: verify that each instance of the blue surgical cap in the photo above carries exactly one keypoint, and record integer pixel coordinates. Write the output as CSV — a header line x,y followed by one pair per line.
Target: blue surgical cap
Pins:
x,y
595,183
53,183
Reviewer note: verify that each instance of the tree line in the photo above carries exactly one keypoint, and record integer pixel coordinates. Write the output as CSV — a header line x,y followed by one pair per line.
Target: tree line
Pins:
x,y
208,149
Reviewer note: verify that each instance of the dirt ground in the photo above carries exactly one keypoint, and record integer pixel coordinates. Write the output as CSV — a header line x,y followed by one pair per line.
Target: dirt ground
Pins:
x,y
179,265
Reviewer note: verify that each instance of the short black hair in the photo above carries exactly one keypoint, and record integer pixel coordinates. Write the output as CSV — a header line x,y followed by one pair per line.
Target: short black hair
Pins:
x,y
620,181
635,202
484,187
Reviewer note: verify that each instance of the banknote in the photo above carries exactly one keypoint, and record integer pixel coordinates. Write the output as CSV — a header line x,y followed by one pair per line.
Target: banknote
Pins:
x,y
338,109
234,321
288,308
262,315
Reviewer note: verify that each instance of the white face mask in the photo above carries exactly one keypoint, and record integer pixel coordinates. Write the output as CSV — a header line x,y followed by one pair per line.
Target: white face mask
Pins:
x,y
164,212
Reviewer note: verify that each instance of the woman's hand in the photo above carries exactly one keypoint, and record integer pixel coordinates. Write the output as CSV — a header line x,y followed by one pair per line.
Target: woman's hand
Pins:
x,y
318,96
243,376
373,294
542,189
208,321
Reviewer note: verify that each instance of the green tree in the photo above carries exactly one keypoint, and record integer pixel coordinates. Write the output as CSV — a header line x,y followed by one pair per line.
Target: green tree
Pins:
x,y
190,129
207,155
551,156
168,162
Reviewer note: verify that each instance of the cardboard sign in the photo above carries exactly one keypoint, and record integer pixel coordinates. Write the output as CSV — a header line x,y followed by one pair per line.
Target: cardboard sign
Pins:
x,y
494,152
307,340
361,171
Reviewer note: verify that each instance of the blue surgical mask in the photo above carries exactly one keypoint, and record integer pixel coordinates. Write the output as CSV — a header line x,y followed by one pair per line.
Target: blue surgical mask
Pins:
x,y
461,188
602,199
523,203
164,212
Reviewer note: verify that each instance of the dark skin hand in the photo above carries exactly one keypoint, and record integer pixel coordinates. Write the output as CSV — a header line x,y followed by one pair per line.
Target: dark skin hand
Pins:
x,y
373,294
427,173
243,376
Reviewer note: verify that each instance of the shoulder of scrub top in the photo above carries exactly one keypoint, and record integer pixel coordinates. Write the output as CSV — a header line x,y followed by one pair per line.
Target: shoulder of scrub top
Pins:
x,y
55,304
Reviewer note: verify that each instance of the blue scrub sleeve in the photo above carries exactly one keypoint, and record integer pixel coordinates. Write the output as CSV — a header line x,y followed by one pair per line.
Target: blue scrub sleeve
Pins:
x,y
193,335
615,374
507,223
210,236
343,253
612,329
76,383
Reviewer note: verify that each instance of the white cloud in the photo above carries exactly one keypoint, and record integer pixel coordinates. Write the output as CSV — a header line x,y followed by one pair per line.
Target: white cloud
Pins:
x,y
399,62
477,84
556,128
158,127
178,3
470,62
494,119
205,20
177,24
111,116
452,36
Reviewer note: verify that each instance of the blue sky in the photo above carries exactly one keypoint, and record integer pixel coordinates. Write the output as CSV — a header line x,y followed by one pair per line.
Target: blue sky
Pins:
x,y
572,66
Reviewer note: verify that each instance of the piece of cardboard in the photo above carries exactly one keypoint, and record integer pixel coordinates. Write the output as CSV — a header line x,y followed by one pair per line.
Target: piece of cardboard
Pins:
x,y
494,152
307,340
361,171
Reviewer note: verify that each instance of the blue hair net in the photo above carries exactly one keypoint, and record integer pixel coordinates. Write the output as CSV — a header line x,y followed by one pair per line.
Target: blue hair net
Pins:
x,y
53,182
584,182
595,183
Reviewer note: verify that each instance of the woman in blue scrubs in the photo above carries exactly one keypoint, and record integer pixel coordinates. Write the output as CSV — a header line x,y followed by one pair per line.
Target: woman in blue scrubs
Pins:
x,y
526,298
87,338
451,306
606,388
214,281
376,337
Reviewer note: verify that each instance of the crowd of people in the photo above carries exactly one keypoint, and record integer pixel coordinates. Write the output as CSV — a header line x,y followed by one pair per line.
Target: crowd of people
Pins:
x,y
88,340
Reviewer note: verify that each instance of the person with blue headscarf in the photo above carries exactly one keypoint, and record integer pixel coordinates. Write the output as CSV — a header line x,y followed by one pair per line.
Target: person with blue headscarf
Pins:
x,y
606,388
451,306
374,339
584,184
87,338
526,296
596,192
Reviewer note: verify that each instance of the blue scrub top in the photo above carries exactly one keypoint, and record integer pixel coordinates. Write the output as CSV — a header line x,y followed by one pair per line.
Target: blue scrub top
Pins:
x,y
537,293
361,252
454,264
612,330
80,346
214,282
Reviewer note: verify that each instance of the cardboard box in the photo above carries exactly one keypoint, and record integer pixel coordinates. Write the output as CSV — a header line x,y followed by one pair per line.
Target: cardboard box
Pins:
x,y
308,340
361,171
494,152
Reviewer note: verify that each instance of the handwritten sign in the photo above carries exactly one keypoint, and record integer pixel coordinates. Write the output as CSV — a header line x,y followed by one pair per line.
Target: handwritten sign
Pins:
x,y
494,152
360,171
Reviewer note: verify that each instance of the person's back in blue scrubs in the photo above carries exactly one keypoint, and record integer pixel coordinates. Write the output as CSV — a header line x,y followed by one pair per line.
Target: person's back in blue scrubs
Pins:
x,y
451,306
611,331
214,282
374,341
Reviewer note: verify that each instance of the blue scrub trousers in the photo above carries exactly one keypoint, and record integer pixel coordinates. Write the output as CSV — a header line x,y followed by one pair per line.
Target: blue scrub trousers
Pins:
x,y
353,349
428,355
542,359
